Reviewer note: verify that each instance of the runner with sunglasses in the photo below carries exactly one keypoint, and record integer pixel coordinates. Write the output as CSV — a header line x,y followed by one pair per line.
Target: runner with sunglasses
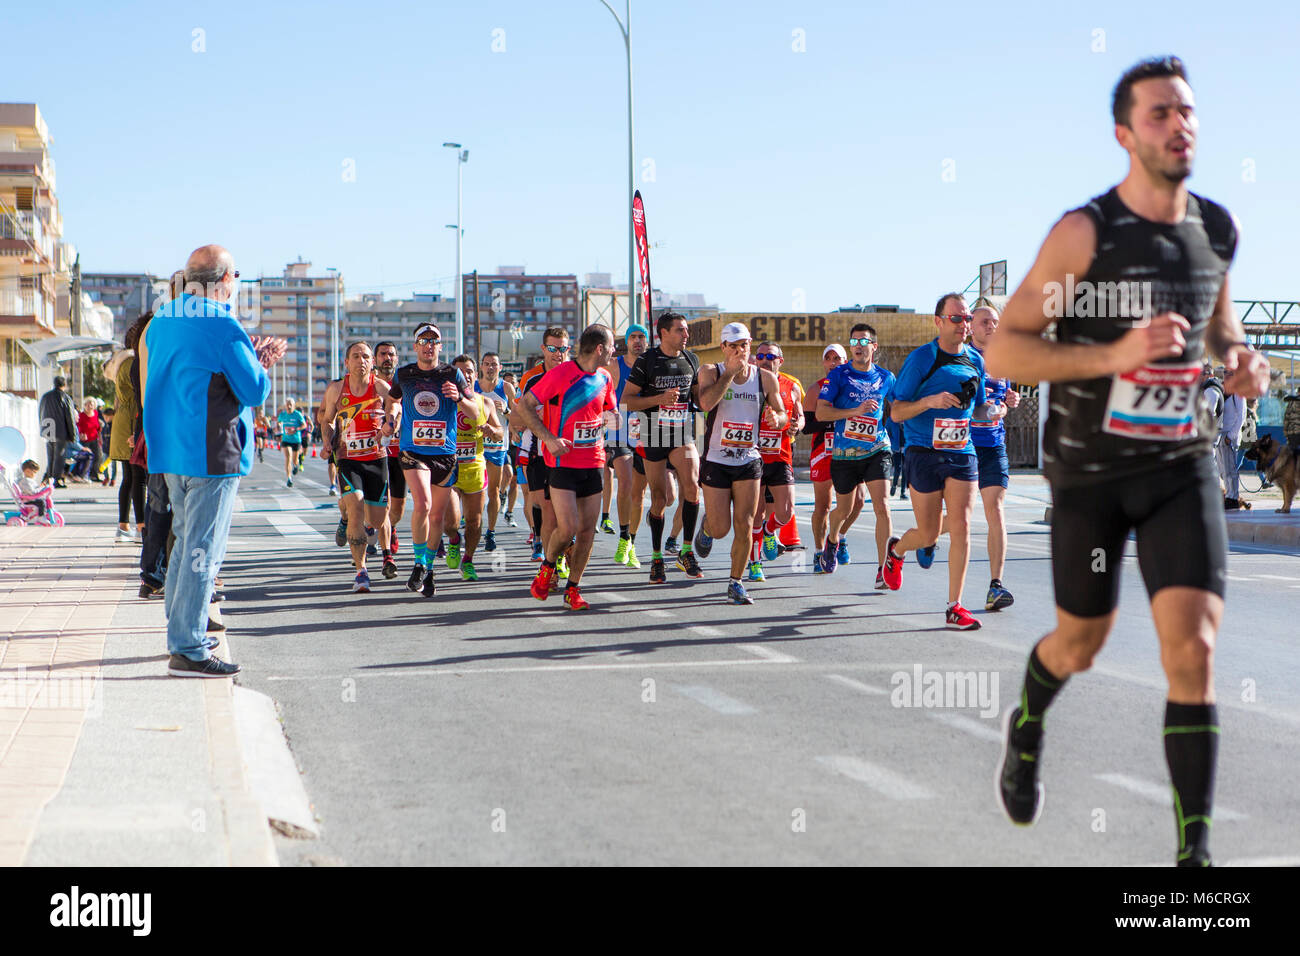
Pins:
x,y
855,399
934,398
385,367
662,384
431,392
555,351
776,509
619,457
1126,448
502,395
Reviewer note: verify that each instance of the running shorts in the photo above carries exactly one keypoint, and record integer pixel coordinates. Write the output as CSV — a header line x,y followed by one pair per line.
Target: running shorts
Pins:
x,y
368,477
471,477
537,472
994,469
724,476
441,468
926,469
396,478
583,482
614,450
1177,517
847,473
778,473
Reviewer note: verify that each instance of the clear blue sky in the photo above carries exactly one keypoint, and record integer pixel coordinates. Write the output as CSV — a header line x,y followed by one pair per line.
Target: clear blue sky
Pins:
x,y
774,170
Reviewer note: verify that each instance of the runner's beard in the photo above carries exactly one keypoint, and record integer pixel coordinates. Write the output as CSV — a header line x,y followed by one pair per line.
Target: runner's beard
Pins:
x,y
1172,170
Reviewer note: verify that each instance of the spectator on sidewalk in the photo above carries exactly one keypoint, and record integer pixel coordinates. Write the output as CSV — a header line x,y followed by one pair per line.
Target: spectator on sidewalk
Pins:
x,y
126,430
1234,417
89,426
29,484
58,427
202,376
106,439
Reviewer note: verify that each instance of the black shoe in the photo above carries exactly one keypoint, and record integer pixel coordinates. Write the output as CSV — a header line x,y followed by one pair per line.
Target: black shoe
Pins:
x,y
148,590
686,562
657,575
181,666
427,589
215,626
341,533
1019,792
417,575
217,597
390,568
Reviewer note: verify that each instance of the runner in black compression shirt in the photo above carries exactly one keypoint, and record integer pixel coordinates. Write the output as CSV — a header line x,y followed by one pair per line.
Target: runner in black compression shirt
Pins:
x,y
661,387
1137,283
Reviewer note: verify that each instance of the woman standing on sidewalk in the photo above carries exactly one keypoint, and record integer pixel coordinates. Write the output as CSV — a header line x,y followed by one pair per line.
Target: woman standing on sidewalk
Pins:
x,y
88,426
125,435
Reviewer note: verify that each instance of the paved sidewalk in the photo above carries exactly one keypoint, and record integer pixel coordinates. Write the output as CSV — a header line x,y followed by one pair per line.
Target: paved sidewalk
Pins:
x,y
104,760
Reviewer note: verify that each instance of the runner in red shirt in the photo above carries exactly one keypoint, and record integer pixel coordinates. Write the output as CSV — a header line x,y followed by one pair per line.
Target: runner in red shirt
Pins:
x,y
567,411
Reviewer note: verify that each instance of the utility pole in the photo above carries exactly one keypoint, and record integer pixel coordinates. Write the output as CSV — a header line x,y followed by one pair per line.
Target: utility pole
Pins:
x,y
311,360
78,369
478,330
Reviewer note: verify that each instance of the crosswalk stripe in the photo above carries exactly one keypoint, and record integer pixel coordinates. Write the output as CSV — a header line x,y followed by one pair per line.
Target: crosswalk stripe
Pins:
x,y
767,653
1158,793
293,502
291,526
976,728
856,684
715,700
885,782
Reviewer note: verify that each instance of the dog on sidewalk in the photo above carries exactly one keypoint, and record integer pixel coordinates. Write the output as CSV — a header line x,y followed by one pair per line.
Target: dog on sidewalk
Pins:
x,y
1280,465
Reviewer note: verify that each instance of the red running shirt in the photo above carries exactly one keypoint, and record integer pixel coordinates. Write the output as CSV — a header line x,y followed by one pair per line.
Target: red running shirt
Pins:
x,y
572,404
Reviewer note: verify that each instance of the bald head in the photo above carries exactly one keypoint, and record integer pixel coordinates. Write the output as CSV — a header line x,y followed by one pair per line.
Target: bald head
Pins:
x,y
207,267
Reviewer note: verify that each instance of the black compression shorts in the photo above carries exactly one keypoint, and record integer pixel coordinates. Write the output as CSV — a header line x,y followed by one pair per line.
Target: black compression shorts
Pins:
x,y
1177,515
583,482
368,477
396,478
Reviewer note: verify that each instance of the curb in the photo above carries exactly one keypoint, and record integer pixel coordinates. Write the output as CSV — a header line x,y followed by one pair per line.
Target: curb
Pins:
x,y
273,775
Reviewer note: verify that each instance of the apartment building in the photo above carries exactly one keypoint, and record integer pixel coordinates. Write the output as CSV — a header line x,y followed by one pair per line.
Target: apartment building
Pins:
x,y
128,295
371,319
512,298
280,305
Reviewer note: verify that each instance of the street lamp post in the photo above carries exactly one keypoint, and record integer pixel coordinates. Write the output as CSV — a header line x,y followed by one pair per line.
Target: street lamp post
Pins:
x,y
334,330
462,157
625,27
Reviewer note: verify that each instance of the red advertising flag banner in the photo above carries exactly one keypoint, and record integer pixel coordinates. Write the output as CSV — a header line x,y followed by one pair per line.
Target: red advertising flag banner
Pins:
x,y
643,257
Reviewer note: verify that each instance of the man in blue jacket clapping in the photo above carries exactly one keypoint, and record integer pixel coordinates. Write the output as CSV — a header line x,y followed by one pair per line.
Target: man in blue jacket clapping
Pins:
x,y
201,375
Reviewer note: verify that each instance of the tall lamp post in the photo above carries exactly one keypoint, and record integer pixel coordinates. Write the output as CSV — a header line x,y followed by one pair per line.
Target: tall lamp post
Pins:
x,y
625,27
462,157
334,329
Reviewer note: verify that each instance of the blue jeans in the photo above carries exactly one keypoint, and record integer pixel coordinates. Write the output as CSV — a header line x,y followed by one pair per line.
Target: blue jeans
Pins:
x,y
201,513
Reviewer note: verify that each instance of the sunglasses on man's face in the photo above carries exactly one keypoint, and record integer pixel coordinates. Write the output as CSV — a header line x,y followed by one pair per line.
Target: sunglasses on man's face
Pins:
x,y
427,341
767,356
862,342
958,317
556,349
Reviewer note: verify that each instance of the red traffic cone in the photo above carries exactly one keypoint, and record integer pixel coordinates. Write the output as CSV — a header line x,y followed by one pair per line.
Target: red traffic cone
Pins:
x,y
789,535
313,451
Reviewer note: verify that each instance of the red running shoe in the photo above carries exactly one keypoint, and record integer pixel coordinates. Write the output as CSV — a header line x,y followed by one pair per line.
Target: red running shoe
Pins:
x,y
960,619
392,545
574,599
544,583
893,569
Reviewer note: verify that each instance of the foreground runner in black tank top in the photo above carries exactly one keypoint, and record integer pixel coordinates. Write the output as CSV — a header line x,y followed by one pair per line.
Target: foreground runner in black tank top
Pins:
x,y
1136,281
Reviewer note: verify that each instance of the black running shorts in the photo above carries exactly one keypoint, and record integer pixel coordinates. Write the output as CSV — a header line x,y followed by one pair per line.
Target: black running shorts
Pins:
x,y
537,471
1177,516
583,482
848,473
396,478
441,468
713,475
777,473
368,477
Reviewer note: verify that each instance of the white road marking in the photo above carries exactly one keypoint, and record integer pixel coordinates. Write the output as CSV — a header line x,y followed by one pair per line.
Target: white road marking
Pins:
x,y
313,484
885,782
705,631
293,502
616,597
463,671
715,700
1158,793
1276,577
767,653
856,684
291,526
976,728
656,612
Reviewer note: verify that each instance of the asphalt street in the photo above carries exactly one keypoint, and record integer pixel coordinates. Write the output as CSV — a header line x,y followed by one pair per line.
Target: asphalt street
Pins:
x,y
665,726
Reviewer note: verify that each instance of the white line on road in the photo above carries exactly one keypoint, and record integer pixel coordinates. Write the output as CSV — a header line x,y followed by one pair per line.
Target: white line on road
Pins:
x,y
615,597
767,653
313,484
856,684
969,725
293,502
292,526
705,631
656,612
884,782
463,671
1158,793
715,700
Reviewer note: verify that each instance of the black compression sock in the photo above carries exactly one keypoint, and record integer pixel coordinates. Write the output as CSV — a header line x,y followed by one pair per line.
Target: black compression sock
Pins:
x,y
537,520
690,514
1036,694
1191,750
656,523
623,532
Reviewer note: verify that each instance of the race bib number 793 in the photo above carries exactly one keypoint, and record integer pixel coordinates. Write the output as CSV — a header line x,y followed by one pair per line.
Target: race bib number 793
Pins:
x,y
1157,402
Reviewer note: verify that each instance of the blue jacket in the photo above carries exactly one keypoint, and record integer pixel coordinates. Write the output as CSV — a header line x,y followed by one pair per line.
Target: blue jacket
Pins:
x,y
201,380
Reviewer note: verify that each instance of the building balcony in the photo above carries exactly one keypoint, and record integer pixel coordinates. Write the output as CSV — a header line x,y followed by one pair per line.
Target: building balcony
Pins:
x,y
18,378
25,314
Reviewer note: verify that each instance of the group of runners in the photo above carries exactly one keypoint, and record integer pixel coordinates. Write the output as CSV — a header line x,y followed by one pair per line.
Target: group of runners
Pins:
x,y
1123,449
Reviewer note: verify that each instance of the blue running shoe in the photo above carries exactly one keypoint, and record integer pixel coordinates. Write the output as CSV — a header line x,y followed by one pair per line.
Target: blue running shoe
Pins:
x,y
755,571
771,547
703,544
842,553
998,598
736,594
538,552
828,557
489,540
925,556
817,564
